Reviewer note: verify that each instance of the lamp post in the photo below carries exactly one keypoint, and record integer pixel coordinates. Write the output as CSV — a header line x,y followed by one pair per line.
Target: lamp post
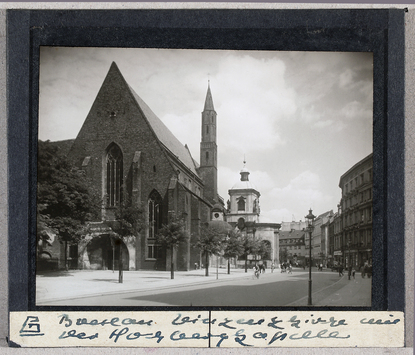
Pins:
x,y
309,219
349,266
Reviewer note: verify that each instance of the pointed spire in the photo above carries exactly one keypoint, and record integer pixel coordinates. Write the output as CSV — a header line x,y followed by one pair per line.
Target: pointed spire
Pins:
x,y
209,100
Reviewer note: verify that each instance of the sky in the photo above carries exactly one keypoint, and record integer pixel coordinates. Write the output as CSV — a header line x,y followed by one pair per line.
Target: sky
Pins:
x,y
299,119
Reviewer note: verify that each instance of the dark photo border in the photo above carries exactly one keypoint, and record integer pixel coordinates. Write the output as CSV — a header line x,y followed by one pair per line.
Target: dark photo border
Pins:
x,y
380,31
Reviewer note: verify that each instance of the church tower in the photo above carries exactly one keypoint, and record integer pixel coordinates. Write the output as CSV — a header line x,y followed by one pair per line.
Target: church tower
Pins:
x,y
209,150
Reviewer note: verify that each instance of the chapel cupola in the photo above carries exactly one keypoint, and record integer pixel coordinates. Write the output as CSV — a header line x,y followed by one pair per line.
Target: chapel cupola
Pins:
x,y
244,199
244,173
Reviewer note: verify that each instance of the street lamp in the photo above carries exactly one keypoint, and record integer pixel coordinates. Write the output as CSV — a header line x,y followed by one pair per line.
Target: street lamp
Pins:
x,y
309,219
349,266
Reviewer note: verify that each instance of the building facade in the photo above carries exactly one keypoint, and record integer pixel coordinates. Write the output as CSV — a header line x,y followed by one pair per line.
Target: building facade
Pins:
x,y
355,214
320,238
292,248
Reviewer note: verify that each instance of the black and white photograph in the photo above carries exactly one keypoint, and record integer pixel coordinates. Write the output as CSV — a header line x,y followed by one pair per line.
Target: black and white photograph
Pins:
x,y
204,178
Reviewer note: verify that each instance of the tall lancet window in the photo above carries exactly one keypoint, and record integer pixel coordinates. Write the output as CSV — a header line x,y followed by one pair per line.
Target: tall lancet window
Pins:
x,y
114,175
154,213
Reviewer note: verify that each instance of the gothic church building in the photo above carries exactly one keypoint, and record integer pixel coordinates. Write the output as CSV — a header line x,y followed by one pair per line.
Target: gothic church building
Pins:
x,y
128,152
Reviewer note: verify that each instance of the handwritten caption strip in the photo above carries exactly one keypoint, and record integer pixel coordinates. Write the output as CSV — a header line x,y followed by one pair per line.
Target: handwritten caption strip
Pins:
x,y
207,329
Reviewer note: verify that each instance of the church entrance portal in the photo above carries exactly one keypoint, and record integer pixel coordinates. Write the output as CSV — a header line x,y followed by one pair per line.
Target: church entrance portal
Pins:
x,y
104,252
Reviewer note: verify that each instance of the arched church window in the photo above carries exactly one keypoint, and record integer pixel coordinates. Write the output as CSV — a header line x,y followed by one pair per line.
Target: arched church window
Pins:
x,y
207,156
241,204
114,180
154,213
207,129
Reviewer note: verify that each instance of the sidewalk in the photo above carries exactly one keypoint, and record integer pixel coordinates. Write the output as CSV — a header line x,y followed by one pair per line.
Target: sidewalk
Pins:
x,y
355,292
345,292
60,285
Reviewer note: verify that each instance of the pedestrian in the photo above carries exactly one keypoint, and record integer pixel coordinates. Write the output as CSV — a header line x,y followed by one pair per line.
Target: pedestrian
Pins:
x,y
365,269
354,272
369,271
256,271
340,270
196,266
272,267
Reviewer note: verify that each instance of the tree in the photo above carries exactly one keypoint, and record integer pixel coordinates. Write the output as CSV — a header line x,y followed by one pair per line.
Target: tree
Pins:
x,y
264,249
209,242
233,246
170,236
250,246
130,221
66,199
283,255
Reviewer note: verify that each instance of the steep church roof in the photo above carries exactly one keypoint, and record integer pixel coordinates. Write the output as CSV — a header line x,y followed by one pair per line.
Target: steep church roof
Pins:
x,y
166,137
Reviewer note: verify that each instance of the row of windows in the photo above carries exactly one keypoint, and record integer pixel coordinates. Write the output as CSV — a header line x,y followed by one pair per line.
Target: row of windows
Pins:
x,y
360,216
359,198
359,180
290,241
295,247
356,239
359,238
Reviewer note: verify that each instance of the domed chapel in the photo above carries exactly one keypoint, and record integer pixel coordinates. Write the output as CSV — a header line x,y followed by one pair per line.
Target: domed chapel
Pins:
x,y
243,212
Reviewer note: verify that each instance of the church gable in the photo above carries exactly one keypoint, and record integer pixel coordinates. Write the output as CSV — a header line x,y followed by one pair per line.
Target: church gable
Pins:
x,y
118,114
116,119
114,116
